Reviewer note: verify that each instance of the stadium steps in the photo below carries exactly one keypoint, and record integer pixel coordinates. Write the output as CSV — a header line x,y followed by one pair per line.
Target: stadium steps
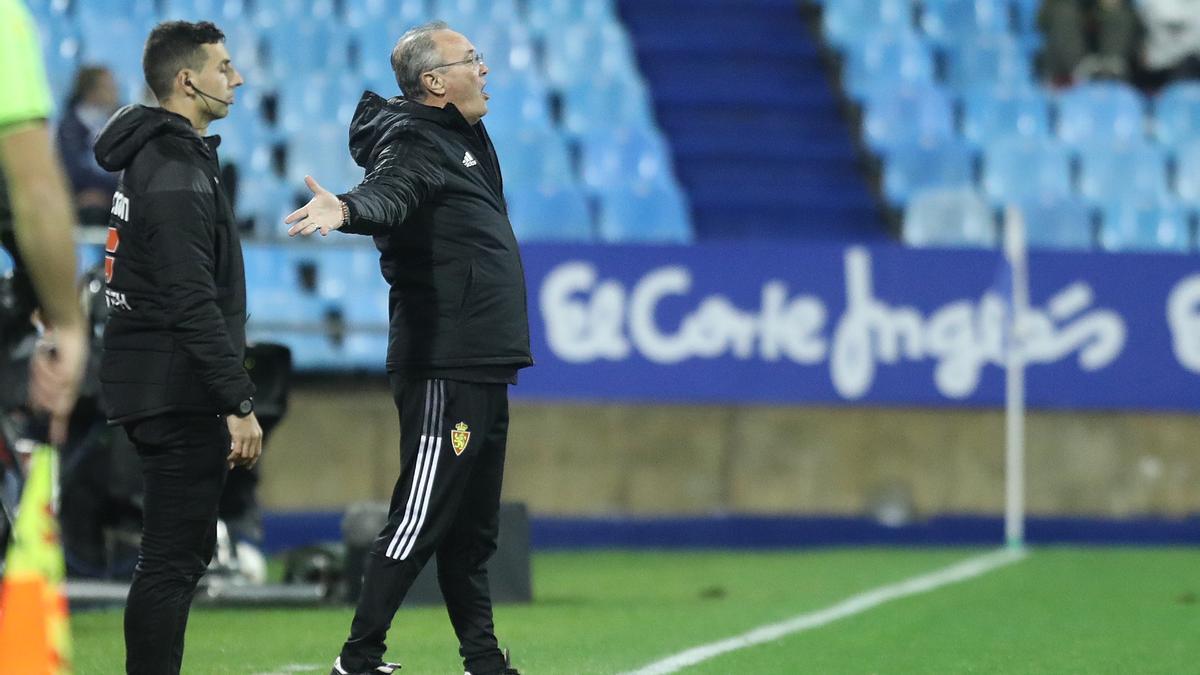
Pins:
x,y
757,134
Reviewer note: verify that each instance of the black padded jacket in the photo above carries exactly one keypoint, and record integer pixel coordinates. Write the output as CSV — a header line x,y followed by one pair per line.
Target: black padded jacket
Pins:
x,y
433,199
175,338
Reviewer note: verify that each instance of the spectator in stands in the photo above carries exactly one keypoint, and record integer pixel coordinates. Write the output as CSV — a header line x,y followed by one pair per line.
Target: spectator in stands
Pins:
x,y
434,202
92,101
36,227
1088,39
1172,50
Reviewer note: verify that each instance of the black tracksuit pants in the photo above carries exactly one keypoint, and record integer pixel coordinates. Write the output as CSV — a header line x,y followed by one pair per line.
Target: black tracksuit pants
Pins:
x,y
446,502
183,462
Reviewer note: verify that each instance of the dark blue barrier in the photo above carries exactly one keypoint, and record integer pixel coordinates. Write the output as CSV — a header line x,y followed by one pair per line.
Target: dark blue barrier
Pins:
x,y
289,530
887,325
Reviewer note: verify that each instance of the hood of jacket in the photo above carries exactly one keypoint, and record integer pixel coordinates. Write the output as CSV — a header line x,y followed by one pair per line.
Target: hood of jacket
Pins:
x,y
132,127
378,121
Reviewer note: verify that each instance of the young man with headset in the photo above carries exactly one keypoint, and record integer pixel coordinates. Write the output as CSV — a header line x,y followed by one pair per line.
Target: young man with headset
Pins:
x,y
172,369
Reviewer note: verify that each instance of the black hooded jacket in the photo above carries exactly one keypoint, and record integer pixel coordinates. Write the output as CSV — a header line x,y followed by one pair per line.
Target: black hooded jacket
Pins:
x,y
433,199
176,332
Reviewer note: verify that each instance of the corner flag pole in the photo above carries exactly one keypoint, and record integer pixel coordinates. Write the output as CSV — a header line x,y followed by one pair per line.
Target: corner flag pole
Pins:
x,y
1014,394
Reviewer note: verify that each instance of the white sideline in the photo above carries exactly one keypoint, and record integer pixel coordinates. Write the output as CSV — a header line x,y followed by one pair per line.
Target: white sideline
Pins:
x,y
962,571
295,668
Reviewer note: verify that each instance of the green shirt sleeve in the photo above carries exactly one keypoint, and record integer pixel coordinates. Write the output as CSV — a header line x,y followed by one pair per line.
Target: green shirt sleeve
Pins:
x,y
22,75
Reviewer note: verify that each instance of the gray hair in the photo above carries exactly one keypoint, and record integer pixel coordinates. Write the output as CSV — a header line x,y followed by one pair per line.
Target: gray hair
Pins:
x,y
415,53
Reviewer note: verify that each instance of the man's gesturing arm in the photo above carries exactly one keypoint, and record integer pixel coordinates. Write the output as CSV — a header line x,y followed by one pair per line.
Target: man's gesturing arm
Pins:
x,y
405,174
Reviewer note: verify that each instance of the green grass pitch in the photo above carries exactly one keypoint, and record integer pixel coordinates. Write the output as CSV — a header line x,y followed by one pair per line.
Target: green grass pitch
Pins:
x,y
1061,610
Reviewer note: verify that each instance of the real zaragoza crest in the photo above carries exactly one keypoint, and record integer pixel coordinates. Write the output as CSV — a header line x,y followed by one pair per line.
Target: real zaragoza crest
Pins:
x,y
460,437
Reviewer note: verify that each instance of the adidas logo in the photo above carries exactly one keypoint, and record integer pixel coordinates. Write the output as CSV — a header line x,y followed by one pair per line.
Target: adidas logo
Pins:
x,y
469,159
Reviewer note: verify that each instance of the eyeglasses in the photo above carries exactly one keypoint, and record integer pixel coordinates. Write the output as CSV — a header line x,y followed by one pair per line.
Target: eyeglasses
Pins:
x,y
476,59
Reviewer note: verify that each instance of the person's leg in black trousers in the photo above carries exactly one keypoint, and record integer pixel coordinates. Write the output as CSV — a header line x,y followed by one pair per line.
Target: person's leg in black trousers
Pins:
x,y
183,461
462,557
434,476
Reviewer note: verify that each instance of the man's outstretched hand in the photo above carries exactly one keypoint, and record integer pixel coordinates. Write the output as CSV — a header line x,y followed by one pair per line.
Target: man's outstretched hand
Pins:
x,y
323,212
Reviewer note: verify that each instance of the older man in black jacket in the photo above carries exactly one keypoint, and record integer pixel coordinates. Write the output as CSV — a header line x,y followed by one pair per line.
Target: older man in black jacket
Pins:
x,y
172,370
433,199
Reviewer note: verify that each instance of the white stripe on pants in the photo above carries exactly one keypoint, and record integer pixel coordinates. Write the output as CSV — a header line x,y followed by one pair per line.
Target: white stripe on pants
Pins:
x,y
424,472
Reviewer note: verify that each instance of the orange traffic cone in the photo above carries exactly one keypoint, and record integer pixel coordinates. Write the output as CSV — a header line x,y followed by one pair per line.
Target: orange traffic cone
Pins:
x,y
34,636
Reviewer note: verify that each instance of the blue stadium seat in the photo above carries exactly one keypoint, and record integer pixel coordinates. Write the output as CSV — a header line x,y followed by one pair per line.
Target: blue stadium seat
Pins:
x,y
911,168
373,41
988,61
366,349
1108,172
1026,12
381,17
245,138
60,51
949,22
347,272
222,12
138,11
115,40
269,15
630,155
326,98
519,100
651,213
297,47
883,63
846,23
503,82
605,102
312,350
498,11
1027,31
1135,225
1020,169
328,276
586,49
506,45
244,43
280,307
369,308
546,16
1101,111
469,17
1062,222
920,114
534,157
366,286
1177,112
953,217
550,213
47,9
990,113
266,267
323,153
265,199
1187,172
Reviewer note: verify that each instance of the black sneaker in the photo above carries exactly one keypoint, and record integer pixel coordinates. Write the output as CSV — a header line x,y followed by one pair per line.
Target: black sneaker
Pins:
x,y
381,669
508,669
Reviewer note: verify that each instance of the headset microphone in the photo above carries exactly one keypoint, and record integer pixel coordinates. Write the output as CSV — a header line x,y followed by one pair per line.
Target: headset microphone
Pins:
x,y
207,95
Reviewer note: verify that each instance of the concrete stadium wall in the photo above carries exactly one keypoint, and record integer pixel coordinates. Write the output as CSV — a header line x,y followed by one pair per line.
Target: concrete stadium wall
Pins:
x,y
339,444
